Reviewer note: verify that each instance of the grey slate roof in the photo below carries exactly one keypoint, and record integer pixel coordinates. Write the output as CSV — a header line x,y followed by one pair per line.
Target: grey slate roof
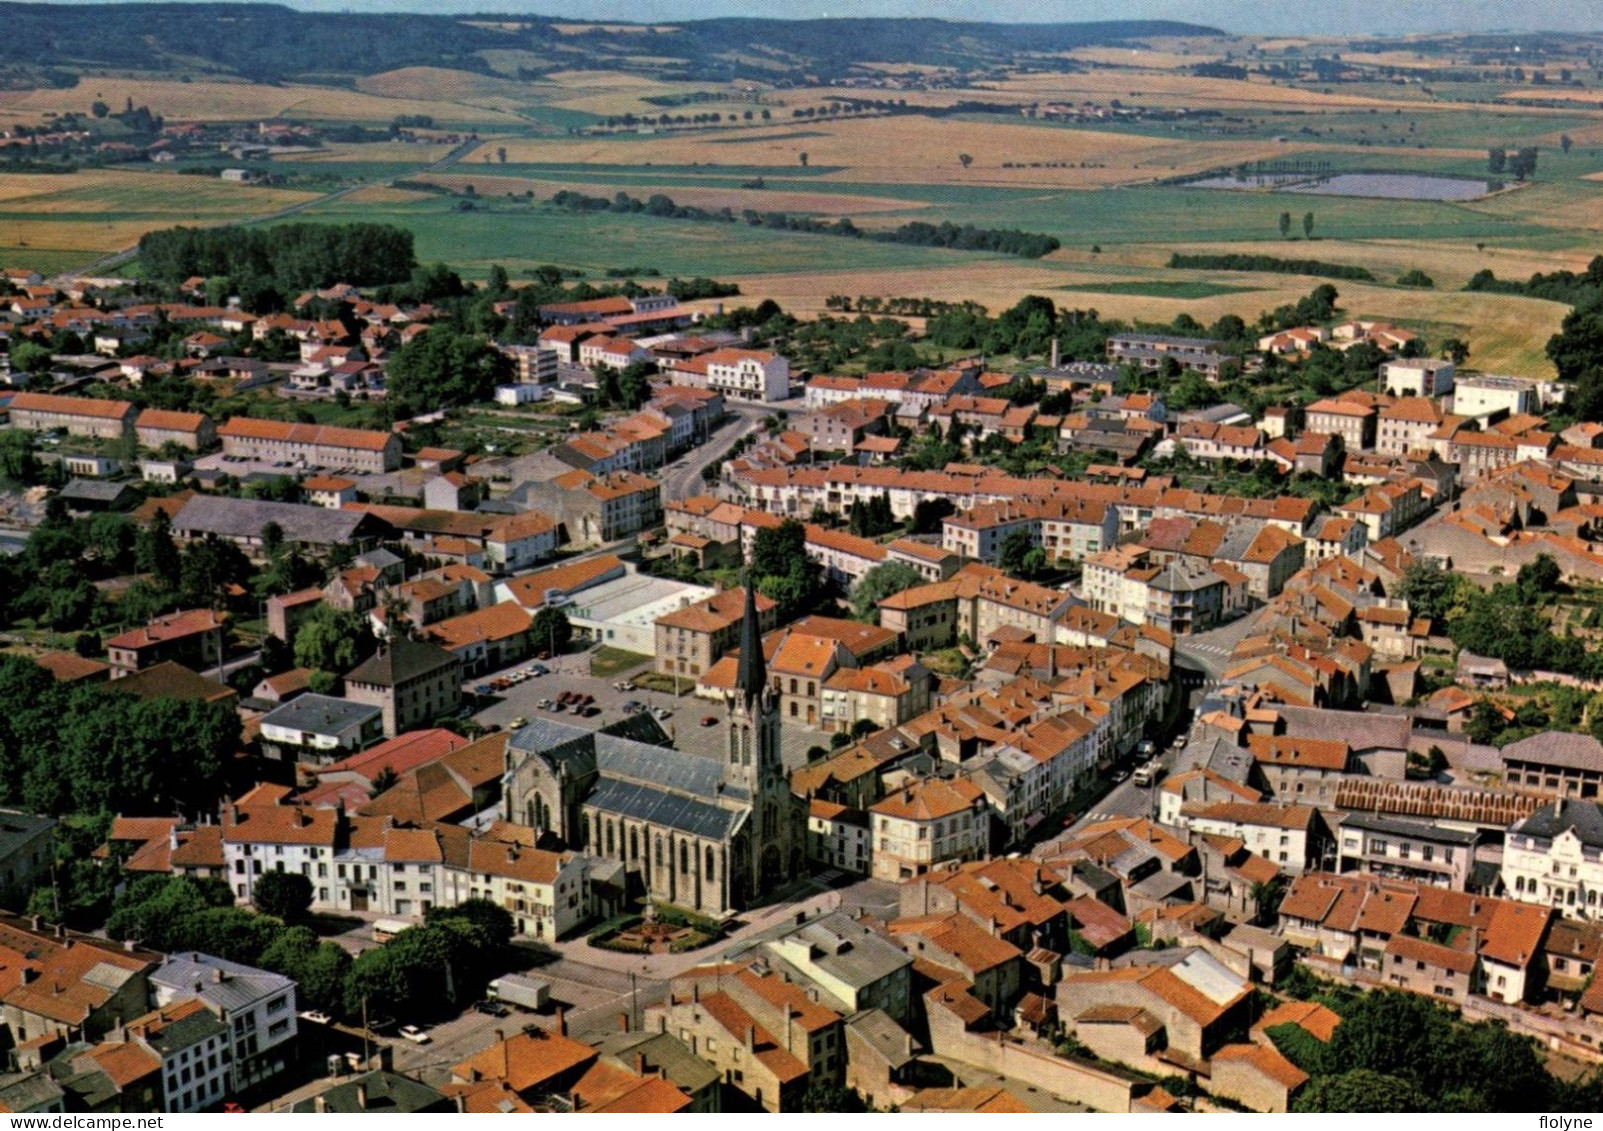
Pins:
x,y
1419,830
93,490
888,1040
221,984
843,948
1585,817
1557,748
660,807
639,779
29,1093
18,828
245,518
661,1050
187,1032
384,1091
1362,730
401,659
320,714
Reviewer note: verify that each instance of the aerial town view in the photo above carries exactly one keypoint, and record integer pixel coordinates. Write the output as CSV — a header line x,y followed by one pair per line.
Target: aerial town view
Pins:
x,y
575,561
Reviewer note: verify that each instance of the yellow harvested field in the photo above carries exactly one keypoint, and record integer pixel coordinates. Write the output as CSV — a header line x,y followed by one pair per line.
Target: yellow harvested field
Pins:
x,y
611,29
916,150
1145,57
1555,94
384,194
1505,333
441,83
1151,87
241,101
762,200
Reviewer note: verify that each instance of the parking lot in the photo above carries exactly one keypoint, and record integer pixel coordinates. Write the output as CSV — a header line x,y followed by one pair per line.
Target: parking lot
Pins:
x,y
571,673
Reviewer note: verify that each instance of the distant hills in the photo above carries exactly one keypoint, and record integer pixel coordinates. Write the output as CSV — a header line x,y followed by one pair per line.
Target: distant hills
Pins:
x,y
270,42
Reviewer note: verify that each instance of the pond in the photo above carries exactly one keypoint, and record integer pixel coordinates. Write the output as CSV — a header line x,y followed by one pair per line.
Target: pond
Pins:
x,y
1377,186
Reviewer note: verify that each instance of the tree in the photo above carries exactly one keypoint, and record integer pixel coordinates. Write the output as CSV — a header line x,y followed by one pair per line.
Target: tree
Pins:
x,y
445,367
1455,350
383,780
319,969
1361,1090
1015,548
283,895
1266,896
782,569
1565,141
832,1098
1539,578
965,160
30,357
551,629
802,157
882,581
1308,225
1285,225
491,925
928,514
333,640
1496,160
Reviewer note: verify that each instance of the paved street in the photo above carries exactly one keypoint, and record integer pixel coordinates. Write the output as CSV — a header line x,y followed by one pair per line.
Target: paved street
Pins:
x,y
682,478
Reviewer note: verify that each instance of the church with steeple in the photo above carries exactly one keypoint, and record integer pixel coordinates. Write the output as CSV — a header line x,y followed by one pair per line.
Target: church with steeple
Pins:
x,y
713,835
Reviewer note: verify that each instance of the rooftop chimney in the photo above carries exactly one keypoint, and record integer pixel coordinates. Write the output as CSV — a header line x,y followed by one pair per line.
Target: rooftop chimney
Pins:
x,y
562,1020
320,1105
361,1096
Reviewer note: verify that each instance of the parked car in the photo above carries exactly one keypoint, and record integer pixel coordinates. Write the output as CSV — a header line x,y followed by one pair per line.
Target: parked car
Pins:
x,y
664,713
545,704
539,669
709,720
415,1035
1146,748
492,1008
482,689
576,707
518,723
316,1017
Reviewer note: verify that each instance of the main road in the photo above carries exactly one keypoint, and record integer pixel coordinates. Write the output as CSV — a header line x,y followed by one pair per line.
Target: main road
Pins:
x,y
682,478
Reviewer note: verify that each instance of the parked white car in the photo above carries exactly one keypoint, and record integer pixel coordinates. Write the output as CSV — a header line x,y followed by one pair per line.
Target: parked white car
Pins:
x,y
415,1035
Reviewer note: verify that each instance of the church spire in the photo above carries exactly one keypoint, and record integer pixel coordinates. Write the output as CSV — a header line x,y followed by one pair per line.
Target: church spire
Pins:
x,y
751,675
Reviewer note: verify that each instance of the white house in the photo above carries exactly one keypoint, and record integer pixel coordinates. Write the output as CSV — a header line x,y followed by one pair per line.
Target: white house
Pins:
x,y
748,375
257,1006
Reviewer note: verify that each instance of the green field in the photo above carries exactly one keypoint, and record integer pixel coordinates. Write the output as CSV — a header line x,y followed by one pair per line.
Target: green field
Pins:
x,y
519,236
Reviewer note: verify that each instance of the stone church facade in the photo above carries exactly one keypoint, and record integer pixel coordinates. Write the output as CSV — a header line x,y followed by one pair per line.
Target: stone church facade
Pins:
x,y
712,835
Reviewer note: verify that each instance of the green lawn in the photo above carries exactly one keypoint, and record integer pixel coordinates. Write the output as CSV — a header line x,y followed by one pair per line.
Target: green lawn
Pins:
x,y
609,662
